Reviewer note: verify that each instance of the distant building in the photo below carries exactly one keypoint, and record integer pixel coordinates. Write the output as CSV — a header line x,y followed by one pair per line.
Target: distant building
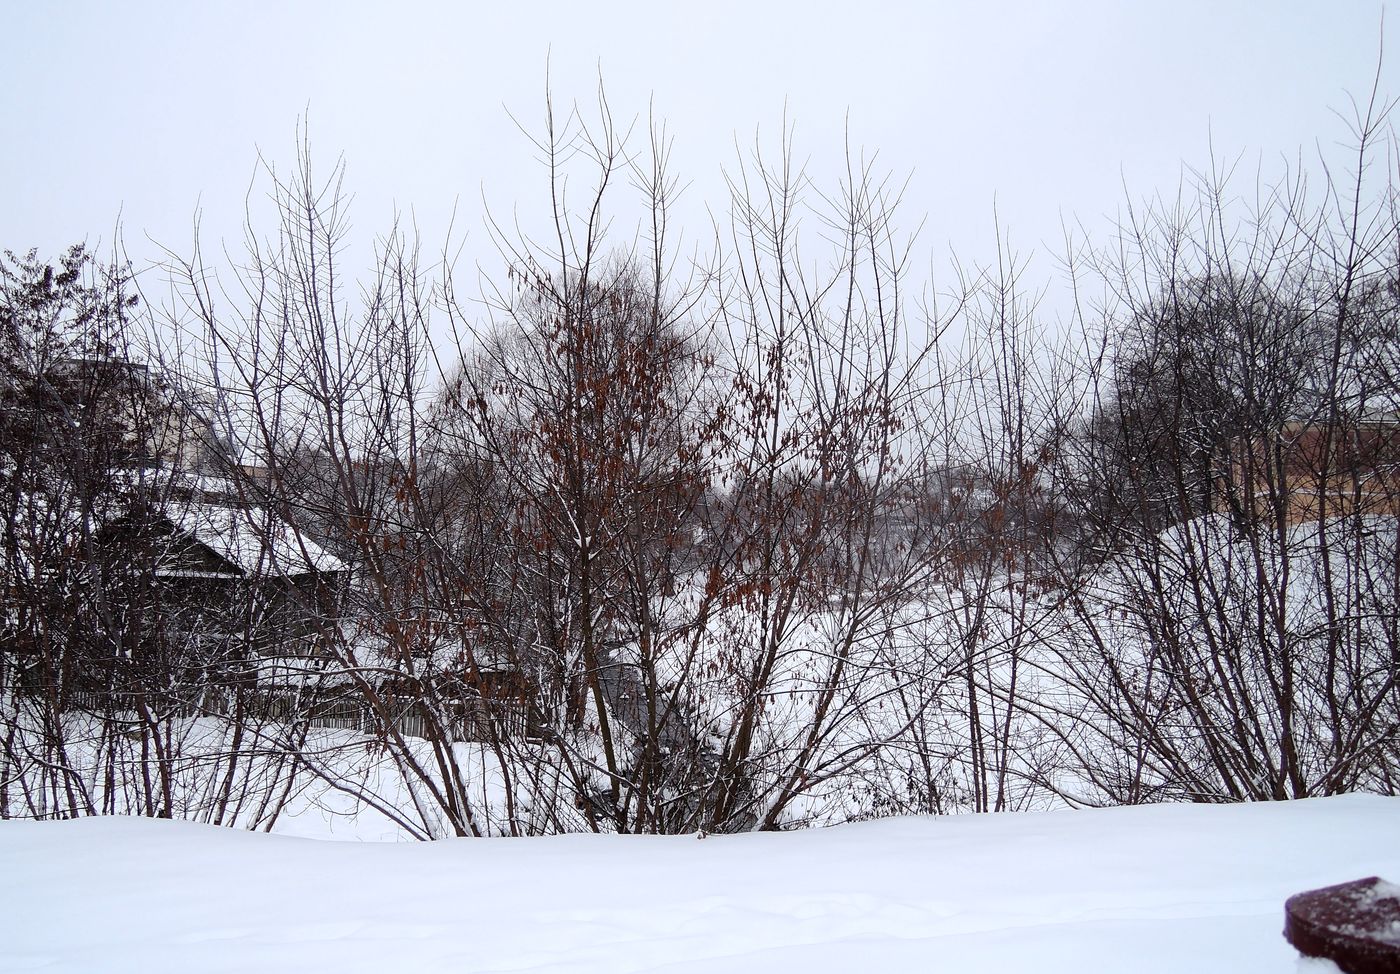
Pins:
x,y
1313,469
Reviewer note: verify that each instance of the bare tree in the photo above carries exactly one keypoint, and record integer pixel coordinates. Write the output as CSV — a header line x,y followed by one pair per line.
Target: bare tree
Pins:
x,y
1239,641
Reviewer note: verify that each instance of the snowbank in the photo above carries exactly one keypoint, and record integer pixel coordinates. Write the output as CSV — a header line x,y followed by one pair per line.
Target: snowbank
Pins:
x,y
1156,888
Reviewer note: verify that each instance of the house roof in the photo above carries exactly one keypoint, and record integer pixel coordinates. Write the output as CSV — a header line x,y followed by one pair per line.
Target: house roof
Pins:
x,y
211,540
251,539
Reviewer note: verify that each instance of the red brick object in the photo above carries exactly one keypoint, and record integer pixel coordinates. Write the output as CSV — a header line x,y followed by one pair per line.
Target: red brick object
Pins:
x,y
1356,925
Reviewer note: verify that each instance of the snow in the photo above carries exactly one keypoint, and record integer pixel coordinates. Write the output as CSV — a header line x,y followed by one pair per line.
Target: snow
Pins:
x,y
252,539
1179,888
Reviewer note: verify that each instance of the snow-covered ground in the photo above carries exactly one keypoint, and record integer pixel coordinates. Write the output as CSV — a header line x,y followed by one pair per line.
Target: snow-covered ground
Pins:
x,y
1180,888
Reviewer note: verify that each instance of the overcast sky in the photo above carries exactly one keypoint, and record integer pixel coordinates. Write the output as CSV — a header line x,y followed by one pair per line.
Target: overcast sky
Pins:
x,y
150,110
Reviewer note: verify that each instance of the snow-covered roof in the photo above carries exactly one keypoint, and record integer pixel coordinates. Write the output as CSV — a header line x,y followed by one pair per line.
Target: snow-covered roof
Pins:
x,y
251,538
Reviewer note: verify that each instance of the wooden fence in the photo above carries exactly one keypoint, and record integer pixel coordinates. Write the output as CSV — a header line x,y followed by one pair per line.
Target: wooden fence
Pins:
x,y
470,719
